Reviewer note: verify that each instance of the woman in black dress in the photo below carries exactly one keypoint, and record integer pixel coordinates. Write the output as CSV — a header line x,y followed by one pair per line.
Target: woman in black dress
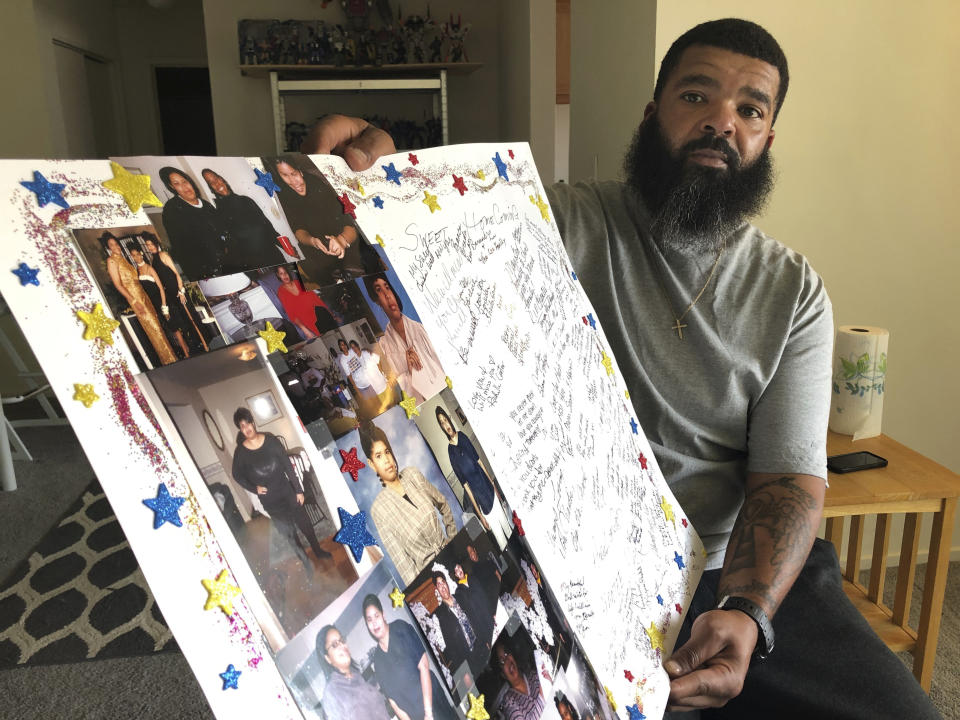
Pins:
x,y
193,226
251,237
151,284
171,282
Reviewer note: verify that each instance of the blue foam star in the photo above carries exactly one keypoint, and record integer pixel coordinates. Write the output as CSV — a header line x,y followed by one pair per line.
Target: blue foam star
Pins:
x,y
266,181
573,275
659,598
27,274
633,425
230,677
501,166
353,532
633,712
166,507
45,190
393,175
593,323
678,560
378,201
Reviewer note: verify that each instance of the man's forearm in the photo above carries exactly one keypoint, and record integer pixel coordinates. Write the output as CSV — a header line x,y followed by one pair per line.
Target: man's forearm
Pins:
x,y
772,537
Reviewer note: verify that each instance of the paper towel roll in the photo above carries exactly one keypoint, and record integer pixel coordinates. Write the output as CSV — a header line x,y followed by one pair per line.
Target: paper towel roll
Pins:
x,y
859,378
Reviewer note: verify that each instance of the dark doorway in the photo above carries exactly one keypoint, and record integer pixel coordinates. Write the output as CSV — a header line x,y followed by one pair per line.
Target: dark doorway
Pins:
x,y
186,111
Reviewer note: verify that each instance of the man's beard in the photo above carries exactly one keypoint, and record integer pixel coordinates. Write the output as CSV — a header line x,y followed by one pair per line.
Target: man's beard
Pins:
x,y
692,206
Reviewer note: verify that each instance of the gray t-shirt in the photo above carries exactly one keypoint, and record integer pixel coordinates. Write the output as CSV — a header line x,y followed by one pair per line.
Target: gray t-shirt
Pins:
x,y
747,389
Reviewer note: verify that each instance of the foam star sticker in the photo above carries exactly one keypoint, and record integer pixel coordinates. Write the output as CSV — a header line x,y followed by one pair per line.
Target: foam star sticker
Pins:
x,y
684,522
626,394
659,598
584,318
85,394
351,463
449,382
413,159
348,207
378,202
46,191
274,339
230,677
643,461
481,174
353,532
501,167
606,362
633,425
477,710
220,593
510,153
135,189
393,175
656,637
266,181
409,404
430,201
380,241
97,324
166,507
609,692
396,597
678,560
541,206
27,274
573,275
633,713
593,324
628,675
360,188
458,184
667,509
518,524
678,607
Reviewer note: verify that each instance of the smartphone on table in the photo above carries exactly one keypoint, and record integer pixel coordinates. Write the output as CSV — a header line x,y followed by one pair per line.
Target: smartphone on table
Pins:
x,y
851,462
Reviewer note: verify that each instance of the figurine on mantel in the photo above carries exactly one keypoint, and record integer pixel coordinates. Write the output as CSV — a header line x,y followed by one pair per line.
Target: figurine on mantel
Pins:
x,y
456,33
416,27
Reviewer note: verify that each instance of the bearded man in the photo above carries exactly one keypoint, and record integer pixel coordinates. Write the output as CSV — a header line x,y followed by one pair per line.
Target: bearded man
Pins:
x,y
724,338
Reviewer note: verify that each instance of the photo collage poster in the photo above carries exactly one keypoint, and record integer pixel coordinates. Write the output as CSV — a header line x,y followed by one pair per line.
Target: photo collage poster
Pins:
x,y
364,384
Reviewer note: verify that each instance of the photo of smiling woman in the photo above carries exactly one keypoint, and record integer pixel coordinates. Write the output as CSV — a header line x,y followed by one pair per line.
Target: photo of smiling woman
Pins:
x,y
193,226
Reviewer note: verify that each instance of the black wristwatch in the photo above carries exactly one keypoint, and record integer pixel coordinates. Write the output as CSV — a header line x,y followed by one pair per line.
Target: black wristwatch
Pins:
x,y
765,629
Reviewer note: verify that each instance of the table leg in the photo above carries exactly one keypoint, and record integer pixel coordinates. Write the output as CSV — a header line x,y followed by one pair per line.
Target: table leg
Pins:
x,y
834,533
934,585
854,548
878,566
907,568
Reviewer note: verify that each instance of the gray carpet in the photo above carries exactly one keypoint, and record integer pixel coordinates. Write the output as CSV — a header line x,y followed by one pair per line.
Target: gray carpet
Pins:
x,y
162,685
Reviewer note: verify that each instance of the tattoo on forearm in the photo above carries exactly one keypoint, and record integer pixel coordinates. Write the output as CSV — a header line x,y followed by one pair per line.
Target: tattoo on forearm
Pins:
x,y
773,527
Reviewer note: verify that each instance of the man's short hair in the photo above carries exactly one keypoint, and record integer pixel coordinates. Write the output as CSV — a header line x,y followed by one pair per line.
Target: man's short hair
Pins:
x,y
739,36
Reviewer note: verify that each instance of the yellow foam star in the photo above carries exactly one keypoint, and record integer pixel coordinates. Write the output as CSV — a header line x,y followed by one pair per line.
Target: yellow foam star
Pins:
x,y
430,201
409,404
656,637
481,174
541,206
477,711
274,339
135,189
449,382
613,703
380,240
667,509
606,362
396,597
97,324
85,394
626,394
359,188
220,593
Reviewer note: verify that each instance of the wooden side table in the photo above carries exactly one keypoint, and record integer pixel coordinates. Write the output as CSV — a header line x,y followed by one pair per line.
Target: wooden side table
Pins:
x,y
911,484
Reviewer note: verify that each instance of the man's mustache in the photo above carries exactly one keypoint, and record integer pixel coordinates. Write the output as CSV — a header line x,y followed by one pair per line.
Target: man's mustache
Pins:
x,y
713,142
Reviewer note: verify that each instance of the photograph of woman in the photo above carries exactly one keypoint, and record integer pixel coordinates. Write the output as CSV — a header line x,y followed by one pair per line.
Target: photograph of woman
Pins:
x,y
261,466
251,239
405,343
332,246
522,696
126,280
347,695
307,310
194,227
408,510
476,480
150,282
183,323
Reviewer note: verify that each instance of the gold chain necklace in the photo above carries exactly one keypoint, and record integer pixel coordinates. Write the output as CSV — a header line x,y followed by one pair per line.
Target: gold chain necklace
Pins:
x,y
678,320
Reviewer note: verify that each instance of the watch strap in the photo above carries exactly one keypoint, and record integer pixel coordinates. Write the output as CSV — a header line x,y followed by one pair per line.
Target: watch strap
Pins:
x,y
765,635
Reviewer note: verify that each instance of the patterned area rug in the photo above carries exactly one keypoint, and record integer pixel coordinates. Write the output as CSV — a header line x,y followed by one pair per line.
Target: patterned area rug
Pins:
x,y
80,595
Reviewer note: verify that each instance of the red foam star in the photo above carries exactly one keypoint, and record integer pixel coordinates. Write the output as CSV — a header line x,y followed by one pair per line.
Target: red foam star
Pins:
x,y
351,463
684,522
510,153
584,320
643,461
458,184
413,160
679,609
628,675
516,521
348,207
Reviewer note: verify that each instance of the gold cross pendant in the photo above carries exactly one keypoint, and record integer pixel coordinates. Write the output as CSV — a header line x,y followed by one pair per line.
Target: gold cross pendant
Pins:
x,y
679,328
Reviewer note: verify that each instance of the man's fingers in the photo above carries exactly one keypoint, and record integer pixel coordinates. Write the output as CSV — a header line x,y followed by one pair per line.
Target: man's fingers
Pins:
x,y
708,687
354,139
